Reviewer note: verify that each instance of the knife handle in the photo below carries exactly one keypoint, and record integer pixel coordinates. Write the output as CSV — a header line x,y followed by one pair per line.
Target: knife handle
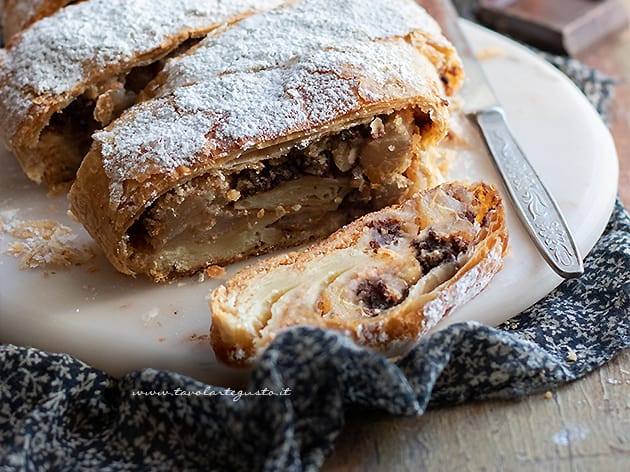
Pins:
x,y
535,205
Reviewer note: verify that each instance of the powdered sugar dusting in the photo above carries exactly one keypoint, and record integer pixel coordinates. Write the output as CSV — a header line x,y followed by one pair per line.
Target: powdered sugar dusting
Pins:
x,y
52,54
278,36
14,104
51,58
273,74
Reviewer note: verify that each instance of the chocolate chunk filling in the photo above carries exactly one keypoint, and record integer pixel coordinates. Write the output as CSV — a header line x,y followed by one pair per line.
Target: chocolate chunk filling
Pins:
x,y
292,196
375,296
273,172
435,249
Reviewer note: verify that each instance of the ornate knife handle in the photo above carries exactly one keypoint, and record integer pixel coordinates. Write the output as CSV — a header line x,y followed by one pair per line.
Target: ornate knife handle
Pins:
x,y
536,207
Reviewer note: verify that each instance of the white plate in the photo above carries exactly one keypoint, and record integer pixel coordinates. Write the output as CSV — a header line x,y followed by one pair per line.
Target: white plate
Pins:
x,y
119,324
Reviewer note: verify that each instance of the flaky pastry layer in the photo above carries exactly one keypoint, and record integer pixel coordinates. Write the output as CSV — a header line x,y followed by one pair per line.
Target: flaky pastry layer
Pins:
x,y
383,280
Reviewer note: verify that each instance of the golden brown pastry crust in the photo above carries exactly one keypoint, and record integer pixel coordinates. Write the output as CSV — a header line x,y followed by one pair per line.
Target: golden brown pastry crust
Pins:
x,y
229,100
17,15
81,56
384,280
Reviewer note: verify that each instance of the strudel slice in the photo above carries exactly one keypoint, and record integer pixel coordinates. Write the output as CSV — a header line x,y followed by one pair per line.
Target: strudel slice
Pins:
x,y
75,71
269,134
383,280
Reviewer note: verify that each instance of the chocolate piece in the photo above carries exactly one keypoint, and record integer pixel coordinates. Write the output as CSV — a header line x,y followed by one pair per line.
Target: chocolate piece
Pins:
x,y
434,249
559,26
375,296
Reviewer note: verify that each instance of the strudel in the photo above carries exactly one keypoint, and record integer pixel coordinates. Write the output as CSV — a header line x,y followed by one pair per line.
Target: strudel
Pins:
x,y
75,71
383,280
270,133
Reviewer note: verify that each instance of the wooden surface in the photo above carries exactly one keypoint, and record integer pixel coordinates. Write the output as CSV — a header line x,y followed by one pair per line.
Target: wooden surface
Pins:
x,y
584,426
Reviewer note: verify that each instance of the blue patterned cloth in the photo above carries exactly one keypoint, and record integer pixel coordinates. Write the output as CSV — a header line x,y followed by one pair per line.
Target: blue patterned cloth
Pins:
x,y
57,413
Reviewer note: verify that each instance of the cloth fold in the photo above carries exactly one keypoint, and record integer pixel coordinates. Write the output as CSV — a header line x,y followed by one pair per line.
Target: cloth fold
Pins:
x,y
57,413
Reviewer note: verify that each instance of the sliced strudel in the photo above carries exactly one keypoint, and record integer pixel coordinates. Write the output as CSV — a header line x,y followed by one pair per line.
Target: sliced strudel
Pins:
x,y
383,280
75,71
269,134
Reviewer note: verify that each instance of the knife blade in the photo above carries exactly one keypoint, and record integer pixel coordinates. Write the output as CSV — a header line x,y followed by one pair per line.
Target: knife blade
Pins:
x,y
534,204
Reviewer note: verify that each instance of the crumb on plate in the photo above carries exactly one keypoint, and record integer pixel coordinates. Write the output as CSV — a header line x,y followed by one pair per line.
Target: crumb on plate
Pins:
x,y
45,243
490,52
215,271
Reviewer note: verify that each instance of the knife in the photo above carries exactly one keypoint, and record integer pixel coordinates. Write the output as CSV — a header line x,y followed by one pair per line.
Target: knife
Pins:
x,y
534,204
